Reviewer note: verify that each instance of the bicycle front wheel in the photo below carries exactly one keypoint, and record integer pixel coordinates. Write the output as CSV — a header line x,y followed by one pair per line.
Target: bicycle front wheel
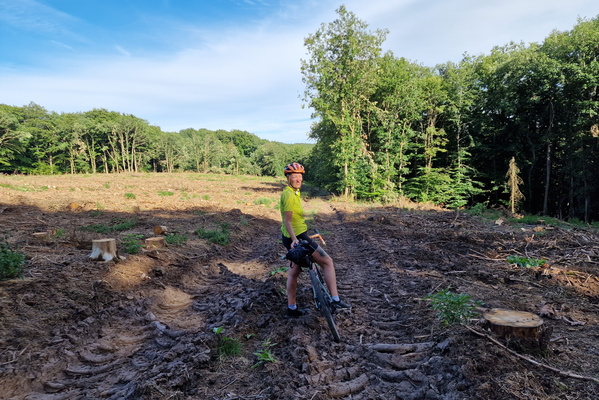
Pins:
x,y
324,304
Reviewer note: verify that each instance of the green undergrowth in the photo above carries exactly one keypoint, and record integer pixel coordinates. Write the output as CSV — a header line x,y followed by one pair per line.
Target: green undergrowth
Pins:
x,y
116,225
453,308
11,262
220,236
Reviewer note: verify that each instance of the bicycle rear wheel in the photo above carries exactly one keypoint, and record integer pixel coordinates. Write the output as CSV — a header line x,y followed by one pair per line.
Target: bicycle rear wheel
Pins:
x,y
324,303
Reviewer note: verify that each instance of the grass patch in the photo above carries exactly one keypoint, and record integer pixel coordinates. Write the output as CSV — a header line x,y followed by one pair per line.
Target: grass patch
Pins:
x,y
218,236
25,188
118,225
525,262
481,210
59,233
175,239
130,196
279,270
165,193
263,201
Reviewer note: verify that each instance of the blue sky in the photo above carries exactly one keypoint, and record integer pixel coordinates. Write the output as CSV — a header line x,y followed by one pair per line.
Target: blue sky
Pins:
x,y
231,64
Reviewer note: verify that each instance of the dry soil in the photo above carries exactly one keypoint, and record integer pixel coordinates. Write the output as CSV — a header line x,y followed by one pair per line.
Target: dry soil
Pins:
x,y
143,327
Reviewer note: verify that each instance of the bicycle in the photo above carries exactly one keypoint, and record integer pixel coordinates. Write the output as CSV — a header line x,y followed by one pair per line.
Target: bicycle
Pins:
x,y
322,298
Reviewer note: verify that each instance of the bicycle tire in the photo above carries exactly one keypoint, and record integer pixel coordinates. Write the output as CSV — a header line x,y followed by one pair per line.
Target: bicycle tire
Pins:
x,y
323,304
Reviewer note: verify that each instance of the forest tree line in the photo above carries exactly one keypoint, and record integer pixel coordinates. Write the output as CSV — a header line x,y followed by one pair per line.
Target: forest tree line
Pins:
x,y
35,141
385,127
388,127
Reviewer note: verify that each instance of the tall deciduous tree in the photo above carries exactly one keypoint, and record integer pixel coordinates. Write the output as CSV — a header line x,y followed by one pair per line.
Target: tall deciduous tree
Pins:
x,y
462,94
12,138
340,76
399,104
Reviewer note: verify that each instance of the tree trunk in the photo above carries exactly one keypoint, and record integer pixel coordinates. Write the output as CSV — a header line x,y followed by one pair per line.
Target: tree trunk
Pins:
x,y
547,178
155,243
104,249
519,327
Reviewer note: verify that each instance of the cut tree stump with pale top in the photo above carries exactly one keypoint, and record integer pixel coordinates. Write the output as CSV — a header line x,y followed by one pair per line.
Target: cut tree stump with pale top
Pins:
x,y
157,242
104,249
160,230
519,326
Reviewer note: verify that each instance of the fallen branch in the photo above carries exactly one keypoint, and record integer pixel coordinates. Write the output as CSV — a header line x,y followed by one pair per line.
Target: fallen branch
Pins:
x,y
14,356
482,256
530,360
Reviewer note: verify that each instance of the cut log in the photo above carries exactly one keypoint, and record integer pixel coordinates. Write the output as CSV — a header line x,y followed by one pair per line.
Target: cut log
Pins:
x,y
521,327
42,236
155,243
160,230
104,249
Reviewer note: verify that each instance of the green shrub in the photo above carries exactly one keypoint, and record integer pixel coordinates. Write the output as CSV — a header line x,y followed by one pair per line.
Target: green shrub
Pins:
x,y
165,193
218,236
11,262
131,243
130,196
227,346
453,308
175,239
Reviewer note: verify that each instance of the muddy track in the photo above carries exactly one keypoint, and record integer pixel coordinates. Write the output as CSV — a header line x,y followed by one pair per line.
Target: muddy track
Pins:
x,y
142,328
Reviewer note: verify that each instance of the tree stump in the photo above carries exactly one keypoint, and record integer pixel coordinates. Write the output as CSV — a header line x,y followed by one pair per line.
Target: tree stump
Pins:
x,y
155,243
519,327
104,249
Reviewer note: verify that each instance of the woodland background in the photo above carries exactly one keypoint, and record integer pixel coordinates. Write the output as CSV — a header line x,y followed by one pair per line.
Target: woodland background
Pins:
x,y
385,127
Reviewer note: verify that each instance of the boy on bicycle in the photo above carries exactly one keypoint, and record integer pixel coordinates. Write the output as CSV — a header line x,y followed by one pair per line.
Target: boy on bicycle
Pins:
x,y
294,229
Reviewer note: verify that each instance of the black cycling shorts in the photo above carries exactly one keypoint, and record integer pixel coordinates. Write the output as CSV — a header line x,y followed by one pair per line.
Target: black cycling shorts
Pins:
x,y
302,236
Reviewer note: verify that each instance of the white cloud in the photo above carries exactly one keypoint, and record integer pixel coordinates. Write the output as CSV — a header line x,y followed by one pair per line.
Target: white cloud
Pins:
x,y
248,76
440,30
241,80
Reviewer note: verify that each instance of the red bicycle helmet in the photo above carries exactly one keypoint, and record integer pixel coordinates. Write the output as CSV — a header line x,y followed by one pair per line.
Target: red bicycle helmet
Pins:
x,y
294,168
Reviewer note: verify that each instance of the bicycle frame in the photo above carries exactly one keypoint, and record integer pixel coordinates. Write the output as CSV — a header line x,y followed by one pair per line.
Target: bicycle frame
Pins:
x,y
322,298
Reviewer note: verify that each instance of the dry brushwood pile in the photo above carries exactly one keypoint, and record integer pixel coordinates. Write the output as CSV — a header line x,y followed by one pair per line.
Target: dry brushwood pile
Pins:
x,y
199,315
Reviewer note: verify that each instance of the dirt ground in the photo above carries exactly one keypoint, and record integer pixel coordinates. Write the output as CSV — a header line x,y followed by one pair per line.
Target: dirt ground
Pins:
x,y
143,327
